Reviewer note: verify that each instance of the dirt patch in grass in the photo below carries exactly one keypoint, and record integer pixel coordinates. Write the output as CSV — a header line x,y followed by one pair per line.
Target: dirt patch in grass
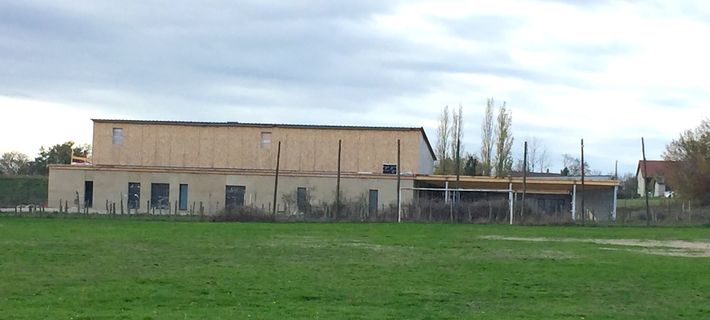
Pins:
x,y
677,248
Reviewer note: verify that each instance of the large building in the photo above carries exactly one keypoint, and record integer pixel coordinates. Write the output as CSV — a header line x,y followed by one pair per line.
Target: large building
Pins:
x,y
159,164
208,167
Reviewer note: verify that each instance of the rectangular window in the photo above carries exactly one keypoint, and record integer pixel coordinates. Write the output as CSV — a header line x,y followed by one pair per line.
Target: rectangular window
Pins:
x,y
265,140
134,195
302,199
389,169
372,204
234,197
88,194
183,197
159,195
117,136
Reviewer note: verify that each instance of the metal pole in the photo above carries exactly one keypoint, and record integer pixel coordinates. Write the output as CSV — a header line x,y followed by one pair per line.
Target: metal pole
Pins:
x,y
582,169
525,178
337,184
613,212
645,186
446,192
276,179
510,201
574,201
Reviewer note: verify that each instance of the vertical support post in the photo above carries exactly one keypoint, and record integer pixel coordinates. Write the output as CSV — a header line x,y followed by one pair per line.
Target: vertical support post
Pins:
x,y
582,169
645,187
574,201
446,191
399,181
457,194
276,178
613,209
399,205
525,178
510,201
337,183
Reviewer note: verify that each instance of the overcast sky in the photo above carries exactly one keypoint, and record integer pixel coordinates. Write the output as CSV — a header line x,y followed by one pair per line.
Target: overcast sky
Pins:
x,y
606,71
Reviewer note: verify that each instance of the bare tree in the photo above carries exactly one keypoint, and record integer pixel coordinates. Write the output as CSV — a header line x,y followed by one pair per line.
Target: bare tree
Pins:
x,y
573,166
456,135
14,163
487,138
504,142
538,159
442,140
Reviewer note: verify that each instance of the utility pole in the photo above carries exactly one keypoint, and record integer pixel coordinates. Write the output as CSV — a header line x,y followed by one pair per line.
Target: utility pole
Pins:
x,y
336,212
399,183
458,169
645,186
582,169
525,178
276,179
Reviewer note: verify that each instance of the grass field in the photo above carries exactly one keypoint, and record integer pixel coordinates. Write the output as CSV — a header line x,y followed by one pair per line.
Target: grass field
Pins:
x,y
131,269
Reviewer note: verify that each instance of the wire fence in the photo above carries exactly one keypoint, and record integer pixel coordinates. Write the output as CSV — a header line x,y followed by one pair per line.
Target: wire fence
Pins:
x,y
495,210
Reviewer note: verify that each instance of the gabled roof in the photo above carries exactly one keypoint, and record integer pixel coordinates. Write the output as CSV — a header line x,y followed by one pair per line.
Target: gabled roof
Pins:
x,y
656,168
269,125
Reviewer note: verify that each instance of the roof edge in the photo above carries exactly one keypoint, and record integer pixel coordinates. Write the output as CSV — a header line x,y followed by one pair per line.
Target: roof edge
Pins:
x,y
254,124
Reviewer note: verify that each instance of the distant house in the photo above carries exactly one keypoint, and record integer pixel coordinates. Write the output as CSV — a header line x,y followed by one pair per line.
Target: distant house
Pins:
x,y
653,178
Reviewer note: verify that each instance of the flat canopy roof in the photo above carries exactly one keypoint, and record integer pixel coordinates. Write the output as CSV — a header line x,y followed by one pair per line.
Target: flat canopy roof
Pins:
x,y
542,185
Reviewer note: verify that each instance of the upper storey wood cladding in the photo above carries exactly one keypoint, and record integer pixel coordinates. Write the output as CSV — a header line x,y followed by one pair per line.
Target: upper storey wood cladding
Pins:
x,y
254,146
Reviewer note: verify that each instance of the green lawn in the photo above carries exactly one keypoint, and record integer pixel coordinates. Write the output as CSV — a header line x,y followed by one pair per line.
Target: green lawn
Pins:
x,y
131,269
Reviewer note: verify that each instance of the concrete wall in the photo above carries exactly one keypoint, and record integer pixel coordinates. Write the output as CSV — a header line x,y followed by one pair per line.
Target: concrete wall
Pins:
x,y
209,188
240,147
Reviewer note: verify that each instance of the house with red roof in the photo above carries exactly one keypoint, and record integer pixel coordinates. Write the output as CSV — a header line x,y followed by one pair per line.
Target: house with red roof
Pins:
x,y
652,177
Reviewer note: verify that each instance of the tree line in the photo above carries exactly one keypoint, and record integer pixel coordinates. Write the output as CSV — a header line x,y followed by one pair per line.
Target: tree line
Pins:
x,y
17,163
495,157
690,156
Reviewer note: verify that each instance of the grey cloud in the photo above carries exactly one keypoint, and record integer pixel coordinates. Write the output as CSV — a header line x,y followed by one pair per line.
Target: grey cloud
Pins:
x,y
327,48
483,28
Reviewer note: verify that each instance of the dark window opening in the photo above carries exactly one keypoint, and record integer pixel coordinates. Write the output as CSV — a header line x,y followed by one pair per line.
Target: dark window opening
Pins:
x,y
389,169
134,195
234,197
160,195
372,205
88,194
302,199
182,202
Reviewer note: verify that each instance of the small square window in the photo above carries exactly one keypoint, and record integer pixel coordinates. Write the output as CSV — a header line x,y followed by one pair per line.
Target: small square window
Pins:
x,y
117,135
265,140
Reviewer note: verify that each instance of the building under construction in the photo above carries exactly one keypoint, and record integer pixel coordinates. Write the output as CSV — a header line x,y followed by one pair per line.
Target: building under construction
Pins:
x,y
172,167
